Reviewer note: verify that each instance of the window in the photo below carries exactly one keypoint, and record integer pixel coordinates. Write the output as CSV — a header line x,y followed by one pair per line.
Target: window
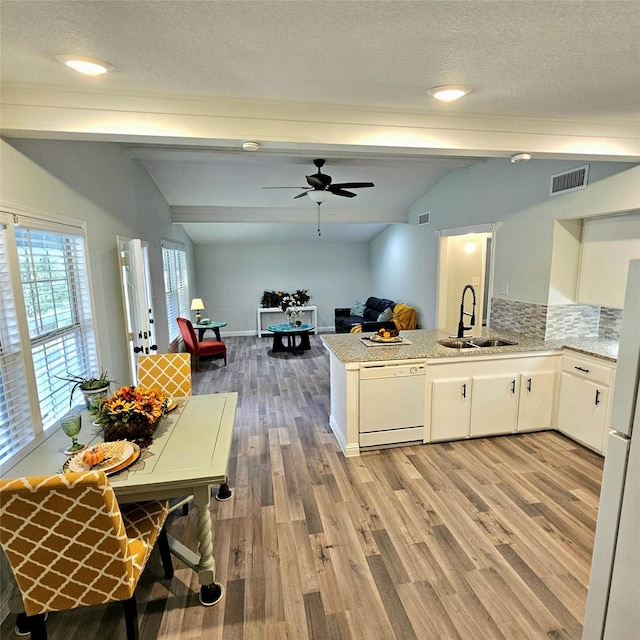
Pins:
x,y
46,325
176,286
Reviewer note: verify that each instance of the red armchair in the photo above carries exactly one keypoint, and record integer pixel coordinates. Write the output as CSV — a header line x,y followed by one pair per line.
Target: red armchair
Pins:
x,y
197,349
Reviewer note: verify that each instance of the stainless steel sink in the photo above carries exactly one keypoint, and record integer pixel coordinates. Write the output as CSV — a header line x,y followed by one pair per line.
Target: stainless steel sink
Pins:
x,y
472,343
493,343
458,344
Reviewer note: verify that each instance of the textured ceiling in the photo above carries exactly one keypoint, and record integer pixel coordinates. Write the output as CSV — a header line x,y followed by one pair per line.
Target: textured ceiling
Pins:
x,y
554,60
566,59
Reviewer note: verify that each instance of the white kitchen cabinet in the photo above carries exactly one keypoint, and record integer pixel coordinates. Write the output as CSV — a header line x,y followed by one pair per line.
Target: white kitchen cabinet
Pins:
x,y
489,396
583,406
535,405
450,408
494,404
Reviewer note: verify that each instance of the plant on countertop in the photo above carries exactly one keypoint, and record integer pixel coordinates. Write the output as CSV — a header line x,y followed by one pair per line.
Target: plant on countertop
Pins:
x,y
86,383
282,299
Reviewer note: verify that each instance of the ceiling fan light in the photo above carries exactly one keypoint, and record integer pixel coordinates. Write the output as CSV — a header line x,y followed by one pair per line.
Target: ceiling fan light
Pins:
x,y
84,65
450,92
318,196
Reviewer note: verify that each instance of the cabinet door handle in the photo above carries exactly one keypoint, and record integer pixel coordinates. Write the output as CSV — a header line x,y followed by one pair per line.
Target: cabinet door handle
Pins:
x,y
529,385
597,396
513,386
464,390
581,369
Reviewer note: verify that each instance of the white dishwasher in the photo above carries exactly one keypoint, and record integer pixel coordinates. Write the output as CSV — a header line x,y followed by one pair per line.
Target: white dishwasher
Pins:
x,y
392,398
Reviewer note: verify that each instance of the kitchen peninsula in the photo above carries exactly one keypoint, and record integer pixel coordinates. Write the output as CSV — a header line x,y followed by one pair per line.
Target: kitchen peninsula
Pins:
x,y
421,391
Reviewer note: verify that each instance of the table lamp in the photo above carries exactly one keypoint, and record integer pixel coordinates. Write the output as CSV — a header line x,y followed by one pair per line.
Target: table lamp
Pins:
x,y
197,305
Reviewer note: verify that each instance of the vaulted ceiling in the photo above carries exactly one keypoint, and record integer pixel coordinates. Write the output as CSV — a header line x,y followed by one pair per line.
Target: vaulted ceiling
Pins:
x,y
344,81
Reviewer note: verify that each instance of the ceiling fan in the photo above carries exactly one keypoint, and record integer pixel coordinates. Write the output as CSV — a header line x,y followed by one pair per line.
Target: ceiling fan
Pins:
x,y
320,186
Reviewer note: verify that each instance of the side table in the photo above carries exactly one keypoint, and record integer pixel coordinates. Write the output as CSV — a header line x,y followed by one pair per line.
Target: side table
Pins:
x,y
214,325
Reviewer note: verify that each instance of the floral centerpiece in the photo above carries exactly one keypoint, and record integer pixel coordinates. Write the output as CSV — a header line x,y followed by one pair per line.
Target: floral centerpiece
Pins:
x,y
290,303
282,299
132,412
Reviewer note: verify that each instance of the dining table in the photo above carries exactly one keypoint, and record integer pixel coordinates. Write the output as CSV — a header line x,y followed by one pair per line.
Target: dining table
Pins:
x,y
188,453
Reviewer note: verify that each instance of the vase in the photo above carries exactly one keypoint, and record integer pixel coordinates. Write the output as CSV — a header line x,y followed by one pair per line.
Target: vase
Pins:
x,y
93,397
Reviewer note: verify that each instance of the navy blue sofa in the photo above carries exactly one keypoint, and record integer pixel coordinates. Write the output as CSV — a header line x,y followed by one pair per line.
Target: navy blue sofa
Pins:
x,y
369,320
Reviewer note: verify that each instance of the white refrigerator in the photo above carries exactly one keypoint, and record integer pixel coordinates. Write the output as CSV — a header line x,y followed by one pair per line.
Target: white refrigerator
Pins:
x,y
613,601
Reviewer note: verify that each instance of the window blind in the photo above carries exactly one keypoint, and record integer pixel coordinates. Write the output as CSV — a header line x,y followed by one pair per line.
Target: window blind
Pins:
x,y
176,286
16,420
47,327
58,308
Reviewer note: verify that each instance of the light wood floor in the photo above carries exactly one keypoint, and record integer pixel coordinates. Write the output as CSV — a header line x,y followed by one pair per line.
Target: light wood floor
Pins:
x,y
488,538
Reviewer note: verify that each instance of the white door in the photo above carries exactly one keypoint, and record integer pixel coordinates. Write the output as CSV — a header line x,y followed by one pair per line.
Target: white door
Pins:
x,y
137,298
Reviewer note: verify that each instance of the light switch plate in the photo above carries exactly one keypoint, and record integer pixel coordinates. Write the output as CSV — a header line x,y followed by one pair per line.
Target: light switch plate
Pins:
x,y
504,288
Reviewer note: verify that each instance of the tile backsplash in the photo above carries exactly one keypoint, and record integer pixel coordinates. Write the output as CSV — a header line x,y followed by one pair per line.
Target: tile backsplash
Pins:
x,y
572,321
523,317
542,321
610,323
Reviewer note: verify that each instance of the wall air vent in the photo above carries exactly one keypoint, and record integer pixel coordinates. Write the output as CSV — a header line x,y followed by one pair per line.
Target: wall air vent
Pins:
x,y
424,218
569,180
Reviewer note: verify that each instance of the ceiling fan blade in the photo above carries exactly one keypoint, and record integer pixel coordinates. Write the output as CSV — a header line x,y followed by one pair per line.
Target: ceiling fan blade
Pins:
x,y
301,195
341,192
305,188
352,185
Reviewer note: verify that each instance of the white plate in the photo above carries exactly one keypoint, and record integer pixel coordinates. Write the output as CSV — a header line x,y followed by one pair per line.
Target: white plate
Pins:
x,y
111,461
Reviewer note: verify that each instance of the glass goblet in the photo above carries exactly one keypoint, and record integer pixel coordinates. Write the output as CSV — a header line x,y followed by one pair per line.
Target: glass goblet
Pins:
x,y
71,425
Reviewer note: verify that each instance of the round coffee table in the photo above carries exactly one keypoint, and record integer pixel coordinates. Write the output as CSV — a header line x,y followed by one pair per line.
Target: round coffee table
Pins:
x,y
290,332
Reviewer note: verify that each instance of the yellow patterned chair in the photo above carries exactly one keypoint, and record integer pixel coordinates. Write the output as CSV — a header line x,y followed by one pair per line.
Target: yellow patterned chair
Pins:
x,y
169,372
71,545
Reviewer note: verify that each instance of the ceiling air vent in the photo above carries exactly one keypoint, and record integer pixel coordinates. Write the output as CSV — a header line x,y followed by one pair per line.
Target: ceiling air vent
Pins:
x,y
424,218
569,180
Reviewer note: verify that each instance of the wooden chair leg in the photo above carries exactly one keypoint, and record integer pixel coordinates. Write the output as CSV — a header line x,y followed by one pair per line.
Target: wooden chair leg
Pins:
x,y
165,554
131,618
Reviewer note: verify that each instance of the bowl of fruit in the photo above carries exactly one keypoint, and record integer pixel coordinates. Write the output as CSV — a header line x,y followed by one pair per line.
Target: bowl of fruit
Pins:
x,y
386,335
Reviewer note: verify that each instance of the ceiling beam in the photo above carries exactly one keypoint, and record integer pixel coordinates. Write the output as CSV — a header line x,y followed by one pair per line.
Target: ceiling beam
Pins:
x,y
56,114
186,214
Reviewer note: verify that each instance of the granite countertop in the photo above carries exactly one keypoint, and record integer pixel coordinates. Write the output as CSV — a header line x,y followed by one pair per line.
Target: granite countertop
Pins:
x,y
348,347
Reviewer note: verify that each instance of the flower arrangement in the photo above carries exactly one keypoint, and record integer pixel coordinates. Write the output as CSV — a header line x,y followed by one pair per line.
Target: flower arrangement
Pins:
x,y
282,299
132,412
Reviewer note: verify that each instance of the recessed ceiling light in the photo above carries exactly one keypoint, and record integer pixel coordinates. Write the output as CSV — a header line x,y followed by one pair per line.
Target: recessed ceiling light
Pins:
x,y
449,92
521,157
250,146
84,65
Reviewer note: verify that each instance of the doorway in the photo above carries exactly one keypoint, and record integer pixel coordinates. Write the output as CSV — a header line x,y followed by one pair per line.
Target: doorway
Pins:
x,y
465,257
137,299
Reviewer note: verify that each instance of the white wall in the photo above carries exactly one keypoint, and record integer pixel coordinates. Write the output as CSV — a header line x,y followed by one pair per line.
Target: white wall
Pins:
x,y
403,271
498,190
608,244
232,277
99,184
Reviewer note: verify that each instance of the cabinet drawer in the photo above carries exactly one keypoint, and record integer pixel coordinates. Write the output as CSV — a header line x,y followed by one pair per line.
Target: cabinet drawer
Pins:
x,y
587,369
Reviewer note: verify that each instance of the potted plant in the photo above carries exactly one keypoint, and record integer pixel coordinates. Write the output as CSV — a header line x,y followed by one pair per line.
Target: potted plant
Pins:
x,y
93,389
